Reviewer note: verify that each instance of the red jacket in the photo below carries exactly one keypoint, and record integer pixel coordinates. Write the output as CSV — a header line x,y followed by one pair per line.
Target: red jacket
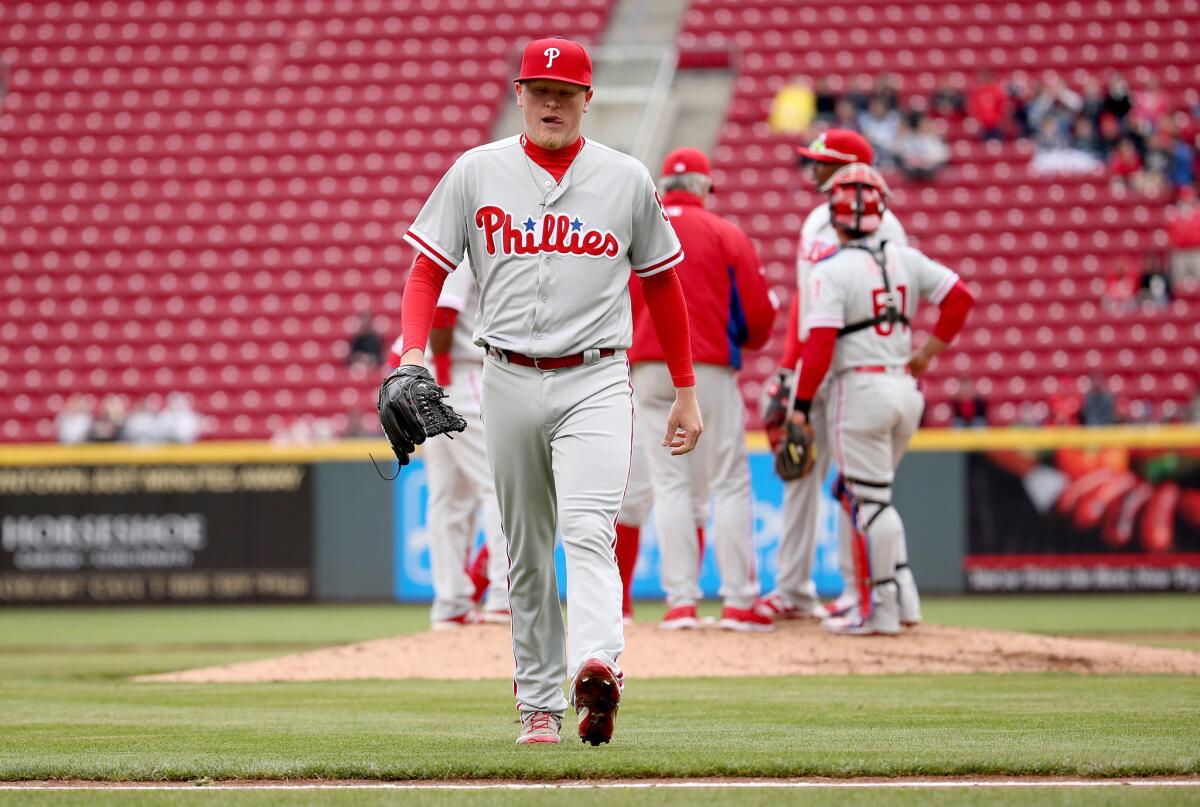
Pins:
x,y
729,305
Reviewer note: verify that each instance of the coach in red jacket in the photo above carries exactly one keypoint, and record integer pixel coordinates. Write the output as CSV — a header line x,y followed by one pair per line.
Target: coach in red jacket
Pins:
x,y
729,309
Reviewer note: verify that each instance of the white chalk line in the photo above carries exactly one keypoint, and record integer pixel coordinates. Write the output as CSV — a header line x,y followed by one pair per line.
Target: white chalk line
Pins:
x,y
682,785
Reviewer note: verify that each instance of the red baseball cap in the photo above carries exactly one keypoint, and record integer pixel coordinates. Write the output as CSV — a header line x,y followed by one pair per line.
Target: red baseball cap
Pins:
x,y
558,59
839,146
686,160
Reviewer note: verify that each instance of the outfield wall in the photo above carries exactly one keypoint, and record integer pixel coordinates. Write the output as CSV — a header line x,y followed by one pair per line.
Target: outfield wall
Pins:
x,y
985,510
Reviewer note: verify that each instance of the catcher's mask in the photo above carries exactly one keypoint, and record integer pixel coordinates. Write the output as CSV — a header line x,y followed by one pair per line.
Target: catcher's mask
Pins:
x,y
857,199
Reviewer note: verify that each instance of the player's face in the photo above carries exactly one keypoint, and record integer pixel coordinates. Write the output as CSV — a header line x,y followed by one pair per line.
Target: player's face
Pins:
x,y
820,172
553,111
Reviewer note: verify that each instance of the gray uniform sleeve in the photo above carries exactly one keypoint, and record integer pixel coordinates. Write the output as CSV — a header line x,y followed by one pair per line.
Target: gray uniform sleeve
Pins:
x,y
827,292
655,246
440,231
933,280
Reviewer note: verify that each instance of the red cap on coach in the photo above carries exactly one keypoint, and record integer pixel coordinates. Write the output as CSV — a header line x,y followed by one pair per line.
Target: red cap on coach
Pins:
x,y
558,59
686,160
839,146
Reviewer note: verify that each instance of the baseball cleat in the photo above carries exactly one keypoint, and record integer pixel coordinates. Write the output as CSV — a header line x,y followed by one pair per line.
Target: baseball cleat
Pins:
x,y
842,606
539,727
910,598
777,607
884,619
746,620
681,617
498,616
460,621
597,695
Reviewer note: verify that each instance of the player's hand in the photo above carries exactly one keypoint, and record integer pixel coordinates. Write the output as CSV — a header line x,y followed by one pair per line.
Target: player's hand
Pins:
x,y
684,424
918,364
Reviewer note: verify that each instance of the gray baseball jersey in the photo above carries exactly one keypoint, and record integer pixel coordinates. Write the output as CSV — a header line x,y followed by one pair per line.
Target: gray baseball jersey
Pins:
x,y
551,260
848,287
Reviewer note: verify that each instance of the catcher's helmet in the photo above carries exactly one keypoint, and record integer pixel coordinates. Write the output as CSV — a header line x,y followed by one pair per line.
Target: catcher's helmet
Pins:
x,y
857,199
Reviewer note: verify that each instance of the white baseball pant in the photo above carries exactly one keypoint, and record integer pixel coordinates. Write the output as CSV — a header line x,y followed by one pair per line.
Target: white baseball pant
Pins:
x,y
460,484
719,462
559,443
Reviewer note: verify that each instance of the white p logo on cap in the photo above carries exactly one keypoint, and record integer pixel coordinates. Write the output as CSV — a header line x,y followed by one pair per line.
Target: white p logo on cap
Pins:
x,y
551,54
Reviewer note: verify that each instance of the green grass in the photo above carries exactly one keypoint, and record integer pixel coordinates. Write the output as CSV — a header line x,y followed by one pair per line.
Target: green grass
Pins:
x,y
742,797
68,710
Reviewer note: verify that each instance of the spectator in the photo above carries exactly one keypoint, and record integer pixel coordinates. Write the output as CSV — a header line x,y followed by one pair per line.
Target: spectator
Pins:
x,y
947,102
1084,139
921,153
1183,234
74,422
1054,100
1181,172
107,424
1099,406
1109,135
1093,102
1157,162
845,116
1056,155
1122,287
1155,288
366,346
794,107
1064,406
178,422
989,104
1117,102
879,124
861,95
826,100
887,91
144,424
1149,105
1125,164
970,409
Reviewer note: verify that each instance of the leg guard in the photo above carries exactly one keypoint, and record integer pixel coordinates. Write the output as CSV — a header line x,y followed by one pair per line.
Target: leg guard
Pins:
x,y
877,538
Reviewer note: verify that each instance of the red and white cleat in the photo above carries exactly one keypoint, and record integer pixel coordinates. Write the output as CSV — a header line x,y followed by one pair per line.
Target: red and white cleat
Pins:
x,y
746,620
597,696
539,727
681,617
499,616
777,607
460,621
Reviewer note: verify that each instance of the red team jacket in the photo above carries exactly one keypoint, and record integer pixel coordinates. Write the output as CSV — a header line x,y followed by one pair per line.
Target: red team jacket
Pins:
x,y
728,302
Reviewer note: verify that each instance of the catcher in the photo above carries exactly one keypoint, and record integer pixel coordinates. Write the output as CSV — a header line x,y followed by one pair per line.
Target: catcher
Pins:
x,y
864,297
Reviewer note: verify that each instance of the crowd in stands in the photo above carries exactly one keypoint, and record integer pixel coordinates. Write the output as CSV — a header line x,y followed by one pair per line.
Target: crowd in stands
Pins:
x,y
149,421
905,138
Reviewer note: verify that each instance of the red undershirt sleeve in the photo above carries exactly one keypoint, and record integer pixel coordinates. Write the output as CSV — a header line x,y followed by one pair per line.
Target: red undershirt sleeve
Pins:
x,y
953,312
419,303
668,311
792,346
818,355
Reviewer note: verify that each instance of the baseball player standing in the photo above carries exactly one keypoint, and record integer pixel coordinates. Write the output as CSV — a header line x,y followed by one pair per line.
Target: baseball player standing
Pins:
x,y
795,595
863,298
729,308
553,224
460,480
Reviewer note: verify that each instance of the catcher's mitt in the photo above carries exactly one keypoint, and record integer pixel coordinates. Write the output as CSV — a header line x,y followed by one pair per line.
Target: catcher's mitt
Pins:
x,y
797,453
411,409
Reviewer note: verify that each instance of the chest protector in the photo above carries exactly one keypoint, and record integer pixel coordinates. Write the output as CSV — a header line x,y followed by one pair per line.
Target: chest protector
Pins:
x,y
890,313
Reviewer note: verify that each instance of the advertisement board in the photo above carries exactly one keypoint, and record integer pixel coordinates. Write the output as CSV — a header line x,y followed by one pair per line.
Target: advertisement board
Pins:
x,y
1112,518
414,583
155,533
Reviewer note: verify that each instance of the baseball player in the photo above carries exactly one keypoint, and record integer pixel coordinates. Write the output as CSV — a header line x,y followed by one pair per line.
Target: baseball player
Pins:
x,y
635,509
553,224
460,481
795,595
730,309
862,298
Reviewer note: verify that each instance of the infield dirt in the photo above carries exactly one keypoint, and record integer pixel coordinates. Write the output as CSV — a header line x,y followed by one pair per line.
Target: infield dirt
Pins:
x,y
485,652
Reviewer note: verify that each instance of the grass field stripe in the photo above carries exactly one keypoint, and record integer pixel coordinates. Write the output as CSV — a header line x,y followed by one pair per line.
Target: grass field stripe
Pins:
x,y
686,785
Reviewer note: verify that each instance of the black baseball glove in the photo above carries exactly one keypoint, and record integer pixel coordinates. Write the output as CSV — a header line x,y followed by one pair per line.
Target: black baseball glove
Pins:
x,y
411,409
796,453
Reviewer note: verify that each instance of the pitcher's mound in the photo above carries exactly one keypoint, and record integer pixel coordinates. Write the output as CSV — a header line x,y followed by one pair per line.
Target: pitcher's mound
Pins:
x,y
795,648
